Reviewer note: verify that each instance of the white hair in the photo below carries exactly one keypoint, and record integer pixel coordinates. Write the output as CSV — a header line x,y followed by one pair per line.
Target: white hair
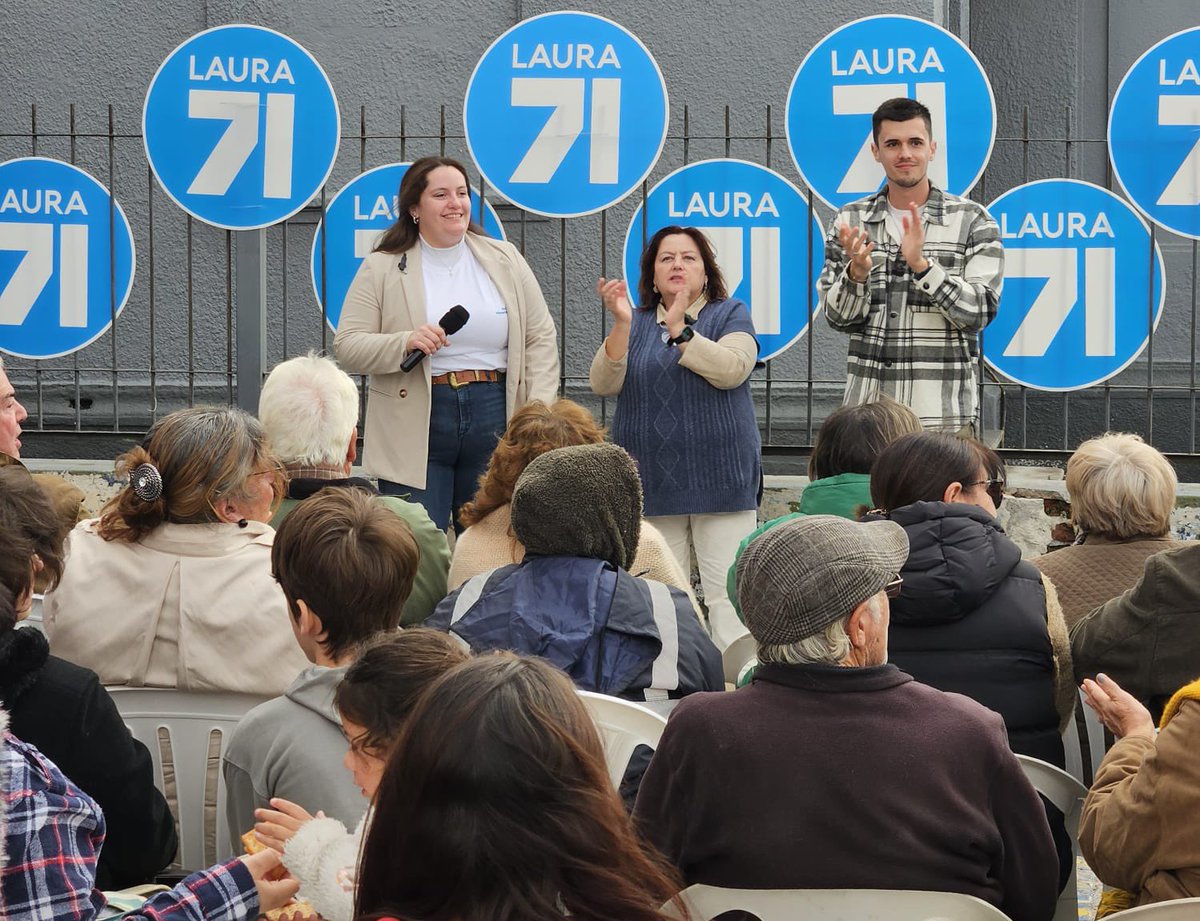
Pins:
x,y
831,646
309,407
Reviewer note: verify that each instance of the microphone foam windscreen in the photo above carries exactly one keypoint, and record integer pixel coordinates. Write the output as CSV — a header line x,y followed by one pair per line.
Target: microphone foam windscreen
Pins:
x,y
454,320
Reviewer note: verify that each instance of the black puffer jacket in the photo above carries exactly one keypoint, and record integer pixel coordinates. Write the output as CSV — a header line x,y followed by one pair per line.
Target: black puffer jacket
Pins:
x,y
971,618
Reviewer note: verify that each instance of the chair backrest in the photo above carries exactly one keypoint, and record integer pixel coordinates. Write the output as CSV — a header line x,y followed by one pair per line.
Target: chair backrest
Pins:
x,y
35,615
1175,910
1067,794
186,733
623,726
1097,741
738,655
705,902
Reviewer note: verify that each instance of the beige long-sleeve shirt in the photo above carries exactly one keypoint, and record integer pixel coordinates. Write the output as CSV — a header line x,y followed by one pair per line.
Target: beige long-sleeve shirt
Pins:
x,y
725,363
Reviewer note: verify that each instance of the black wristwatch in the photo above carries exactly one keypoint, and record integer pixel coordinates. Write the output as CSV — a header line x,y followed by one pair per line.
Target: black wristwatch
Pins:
x,y
685,336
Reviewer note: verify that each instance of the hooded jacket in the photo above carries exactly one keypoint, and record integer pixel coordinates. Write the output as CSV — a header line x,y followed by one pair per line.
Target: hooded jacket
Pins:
x,y
609,631
291,747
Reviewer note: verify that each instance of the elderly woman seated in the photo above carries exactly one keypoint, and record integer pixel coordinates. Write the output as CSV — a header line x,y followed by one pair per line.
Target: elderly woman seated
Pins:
x,y
1138,830
578,513
171,587
1122,493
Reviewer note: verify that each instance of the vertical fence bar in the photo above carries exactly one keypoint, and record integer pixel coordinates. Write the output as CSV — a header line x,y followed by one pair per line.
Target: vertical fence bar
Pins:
x,y
1150,338
191,317
562,304
768,420
603,312
37,368
153,300
112,267
78,408
1066,397
251,316
1192,362
230,354
1024,178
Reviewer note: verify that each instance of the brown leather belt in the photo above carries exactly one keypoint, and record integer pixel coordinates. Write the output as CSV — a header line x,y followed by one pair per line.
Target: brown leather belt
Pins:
x,y
458,379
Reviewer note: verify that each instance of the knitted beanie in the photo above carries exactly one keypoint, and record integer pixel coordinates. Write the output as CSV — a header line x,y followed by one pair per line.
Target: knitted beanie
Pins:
x,y
585,500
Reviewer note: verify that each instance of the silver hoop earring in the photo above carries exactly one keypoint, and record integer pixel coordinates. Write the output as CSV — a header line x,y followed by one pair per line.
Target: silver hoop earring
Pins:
x,y
416,219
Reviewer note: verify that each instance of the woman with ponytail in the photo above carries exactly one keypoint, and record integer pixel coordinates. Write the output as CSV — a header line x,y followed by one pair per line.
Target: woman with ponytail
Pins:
x,y
171,586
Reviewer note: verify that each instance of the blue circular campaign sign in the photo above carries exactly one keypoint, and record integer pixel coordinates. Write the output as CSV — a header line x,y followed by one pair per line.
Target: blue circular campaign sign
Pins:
x,y
356,217
241,127
761,228
1154,133
62,277
566,113
860,65
1078,296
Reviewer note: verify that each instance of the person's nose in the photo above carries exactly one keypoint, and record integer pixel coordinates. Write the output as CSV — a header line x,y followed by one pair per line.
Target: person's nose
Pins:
x,y
22,413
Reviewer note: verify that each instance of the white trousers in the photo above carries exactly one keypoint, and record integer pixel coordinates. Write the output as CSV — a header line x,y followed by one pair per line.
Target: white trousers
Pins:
x,y
715,538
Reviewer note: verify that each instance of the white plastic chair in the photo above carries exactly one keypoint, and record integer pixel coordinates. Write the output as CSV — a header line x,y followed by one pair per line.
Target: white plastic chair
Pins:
x,y
34,619
1066,793
1096,739
1176,910
705,902
623,726
737,656
186,733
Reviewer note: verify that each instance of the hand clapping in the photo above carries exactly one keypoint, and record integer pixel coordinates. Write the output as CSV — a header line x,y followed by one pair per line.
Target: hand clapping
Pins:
x,y
858,248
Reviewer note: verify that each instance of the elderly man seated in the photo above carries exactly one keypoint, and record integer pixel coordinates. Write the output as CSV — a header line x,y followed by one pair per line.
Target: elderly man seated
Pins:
x,y
309,410
834,769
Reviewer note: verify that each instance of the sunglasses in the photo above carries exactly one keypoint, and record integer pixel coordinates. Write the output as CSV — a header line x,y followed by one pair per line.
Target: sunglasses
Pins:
x,y
892,589
994,488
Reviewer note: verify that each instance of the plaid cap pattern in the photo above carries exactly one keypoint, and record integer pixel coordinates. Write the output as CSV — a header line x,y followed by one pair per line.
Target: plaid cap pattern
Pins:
x,y
797,578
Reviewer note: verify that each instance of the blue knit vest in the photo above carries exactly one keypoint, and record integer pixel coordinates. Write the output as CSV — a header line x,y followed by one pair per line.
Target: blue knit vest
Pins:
x,y
697,447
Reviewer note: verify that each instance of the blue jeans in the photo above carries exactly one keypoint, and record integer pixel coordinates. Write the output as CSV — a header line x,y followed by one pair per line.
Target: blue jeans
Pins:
x,y
464,426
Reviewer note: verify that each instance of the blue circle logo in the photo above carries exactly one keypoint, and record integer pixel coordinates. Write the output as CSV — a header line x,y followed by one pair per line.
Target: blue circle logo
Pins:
x,y
858,66
566,114
241,127
767,241
1078,294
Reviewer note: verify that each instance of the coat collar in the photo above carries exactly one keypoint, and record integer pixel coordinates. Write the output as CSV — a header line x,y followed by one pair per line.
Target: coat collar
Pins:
x,y
201,540
833,678
935,206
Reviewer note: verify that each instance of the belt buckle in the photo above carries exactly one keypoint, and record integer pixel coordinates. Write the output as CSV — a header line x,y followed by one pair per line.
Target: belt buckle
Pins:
x,y
452,380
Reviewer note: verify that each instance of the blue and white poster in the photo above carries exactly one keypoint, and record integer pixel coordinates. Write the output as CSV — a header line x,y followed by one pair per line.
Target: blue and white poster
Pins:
x,y
1078,293
63,275
355,219
1154,133
767,240
858,66
566,113
241,127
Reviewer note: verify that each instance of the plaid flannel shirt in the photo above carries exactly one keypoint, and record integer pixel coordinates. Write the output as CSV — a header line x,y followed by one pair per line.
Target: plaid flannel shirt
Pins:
x,y
53,832
917,341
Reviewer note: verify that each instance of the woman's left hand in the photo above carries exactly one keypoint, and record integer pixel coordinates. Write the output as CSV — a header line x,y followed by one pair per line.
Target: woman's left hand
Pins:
x,y
1119,710
676,311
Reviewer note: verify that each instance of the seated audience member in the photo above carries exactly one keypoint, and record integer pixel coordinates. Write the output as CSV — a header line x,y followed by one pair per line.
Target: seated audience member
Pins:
x,y
1146,639
496,803
488,541
1122,494
51,833
374,699
578,513
1138,829
171,587
309,410
345,563
847,443
62,708
833,769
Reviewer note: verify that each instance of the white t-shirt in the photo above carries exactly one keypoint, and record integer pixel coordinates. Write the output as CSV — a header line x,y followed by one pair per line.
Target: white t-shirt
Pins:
x,y
898,215
454,276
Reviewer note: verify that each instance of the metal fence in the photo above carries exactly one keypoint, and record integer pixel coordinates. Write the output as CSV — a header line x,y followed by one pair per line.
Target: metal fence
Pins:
x,y
191,333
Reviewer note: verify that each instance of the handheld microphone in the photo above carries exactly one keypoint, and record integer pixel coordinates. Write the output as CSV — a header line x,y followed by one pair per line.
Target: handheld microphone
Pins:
x,y
454,320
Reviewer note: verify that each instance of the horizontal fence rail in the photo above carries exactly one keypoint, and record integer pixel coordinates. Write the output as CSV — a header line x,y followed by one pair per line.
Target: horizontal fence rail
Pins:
x,y
176,342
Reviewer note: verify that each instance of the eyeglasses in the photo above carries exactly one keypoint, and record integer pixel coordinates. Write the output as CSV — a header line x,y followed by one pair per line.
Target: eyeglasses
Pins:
x,y
892,589
993,487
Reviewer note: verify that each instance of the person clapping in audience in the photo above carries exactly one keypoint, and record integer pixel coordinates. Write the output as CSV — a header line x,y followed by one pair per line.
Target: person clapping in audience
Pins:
x,y
63,709
374,699
171,587
496,803
834,769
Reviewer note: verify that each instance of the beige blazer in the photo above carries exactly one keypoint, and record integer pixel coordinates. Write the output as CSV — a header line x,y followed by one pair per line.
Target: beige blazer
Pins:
x,y
383,307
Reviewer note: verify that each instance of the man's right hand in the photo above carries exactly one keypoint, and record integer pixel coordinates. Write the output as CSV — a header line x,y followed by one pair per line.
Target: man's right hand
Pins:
x,y
858,248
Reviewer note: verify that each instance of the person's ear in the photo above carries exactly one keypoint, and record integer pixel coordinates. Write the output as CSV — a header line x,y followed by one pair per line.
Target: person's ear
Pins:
x,y
308,623
228,510
874,151
953,492
933,150
859,626
352,449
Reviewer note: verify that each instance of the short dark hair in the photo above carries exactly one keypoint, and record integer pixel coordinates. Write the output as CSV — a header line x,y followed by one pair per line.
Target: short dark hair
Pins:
x,y
851,437
900,109
648,298
918,468
351,559
380,689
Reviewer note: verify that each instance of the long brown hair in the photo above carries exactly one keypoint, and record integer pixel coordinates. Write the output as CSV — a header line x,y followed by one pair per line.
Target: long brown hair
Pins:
x,y
203,455
403,234
533,430
28,527
919,468
496,806
648,297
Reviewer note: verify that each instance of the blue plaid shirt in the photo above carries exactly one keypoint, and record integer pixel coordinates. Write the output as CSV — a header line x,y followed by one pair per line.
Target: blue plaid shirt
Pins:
x,y
53,832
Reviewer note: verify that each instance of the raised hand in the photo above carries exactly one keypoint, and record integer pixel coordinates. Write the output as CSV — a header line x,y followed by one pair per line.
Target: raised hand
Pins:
x,y
912,240
1119,710
857,246
615,294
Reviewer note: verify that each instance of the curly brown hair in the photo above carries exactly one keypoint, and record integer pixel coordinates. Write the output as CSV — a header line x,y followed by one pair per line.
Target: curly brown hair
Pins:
x,y
533,430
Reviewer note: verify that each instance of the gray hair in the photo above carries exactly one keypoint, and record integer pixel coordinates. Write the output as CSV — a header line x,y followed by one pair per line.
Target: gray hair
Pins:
x,y
309,407
831,646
